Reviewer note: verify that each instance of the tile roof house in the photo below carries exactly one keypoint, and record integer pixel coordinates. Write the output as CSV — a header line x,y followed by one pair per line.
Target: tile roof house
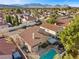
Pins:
x,y
33,37
1,19
27,18
30,18
63,22
54,28
6,48
50,28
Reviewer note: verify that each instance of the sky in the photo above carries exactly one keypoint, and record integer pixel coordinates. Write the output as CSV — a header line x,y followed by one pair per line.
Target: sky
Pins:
x,y
51,2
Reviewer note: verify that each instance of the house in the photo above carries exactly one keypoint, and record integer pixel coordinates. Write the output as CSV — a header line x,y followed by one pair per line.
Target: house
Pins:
x,y
33,38
63,22
63,13
27,18
55,28
6,48
30,18
1,19
50,28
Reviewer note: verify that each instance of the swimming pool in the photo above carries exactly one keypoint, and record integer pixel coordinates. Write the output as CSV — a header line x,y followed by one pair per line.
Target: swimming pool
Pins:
x,y
48,55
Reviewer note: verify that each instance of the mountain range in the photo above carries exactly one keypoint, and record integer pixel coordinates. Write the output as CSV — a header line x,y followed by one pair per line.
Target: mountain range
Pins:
x,y
33,5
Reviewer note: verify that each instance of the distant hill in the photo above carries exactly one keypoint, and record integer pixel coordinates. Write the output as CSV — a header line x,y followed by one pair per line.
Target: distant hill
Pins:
x,y
38,5
34,5
62,6
9,6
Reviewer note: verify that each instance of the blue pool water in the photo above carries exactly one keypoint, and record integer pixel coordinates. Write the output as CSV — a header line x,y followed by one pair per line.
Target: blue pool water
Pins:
x,y
48,55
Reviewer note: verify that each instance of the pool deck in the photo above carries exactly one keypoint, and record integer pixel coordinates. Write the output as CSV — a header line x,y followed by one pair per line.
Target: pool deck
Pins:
x,y
41,51
36,55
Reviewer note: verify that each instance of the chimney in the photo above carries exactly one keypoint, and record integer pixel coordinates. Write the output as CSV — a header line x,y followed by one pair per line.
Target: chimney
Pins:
x,y
33,35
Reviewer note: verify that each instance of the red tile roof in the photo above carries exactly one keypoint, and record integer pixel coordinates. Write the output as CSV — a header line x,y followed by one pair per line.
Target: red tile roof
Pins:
x,y
63,22
30,18
6,48
52,27
5,56
27,35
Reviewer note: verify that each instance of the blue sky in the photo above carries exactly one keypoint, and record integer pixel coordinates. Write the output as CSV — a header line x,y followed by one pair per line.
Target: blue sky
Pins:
x,y
52,2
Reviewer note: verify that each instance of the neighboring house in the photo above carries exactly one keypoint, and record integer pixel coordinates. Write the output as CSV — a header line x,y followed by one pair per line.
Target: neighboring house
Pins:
x,y
12,13
55,28
27,18
6,48
63,22
63,13
1,19
50,28
23,20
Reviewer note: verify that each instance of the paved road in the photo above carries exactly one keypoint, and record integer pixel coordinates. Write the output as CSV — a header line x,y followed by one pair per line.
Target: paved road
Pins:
x,y
5,30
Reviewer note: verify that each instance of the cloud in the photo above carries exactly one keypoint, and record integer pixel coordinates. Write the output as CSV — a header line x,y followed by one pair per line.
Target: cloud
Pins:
x,y
17,1
11,1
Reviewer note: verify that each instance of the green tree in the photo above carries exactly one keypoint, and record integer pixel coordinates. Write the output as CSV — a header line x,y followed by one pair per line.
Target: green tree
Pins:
x,y
8,19
17,20
51,21
69,37
18,11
